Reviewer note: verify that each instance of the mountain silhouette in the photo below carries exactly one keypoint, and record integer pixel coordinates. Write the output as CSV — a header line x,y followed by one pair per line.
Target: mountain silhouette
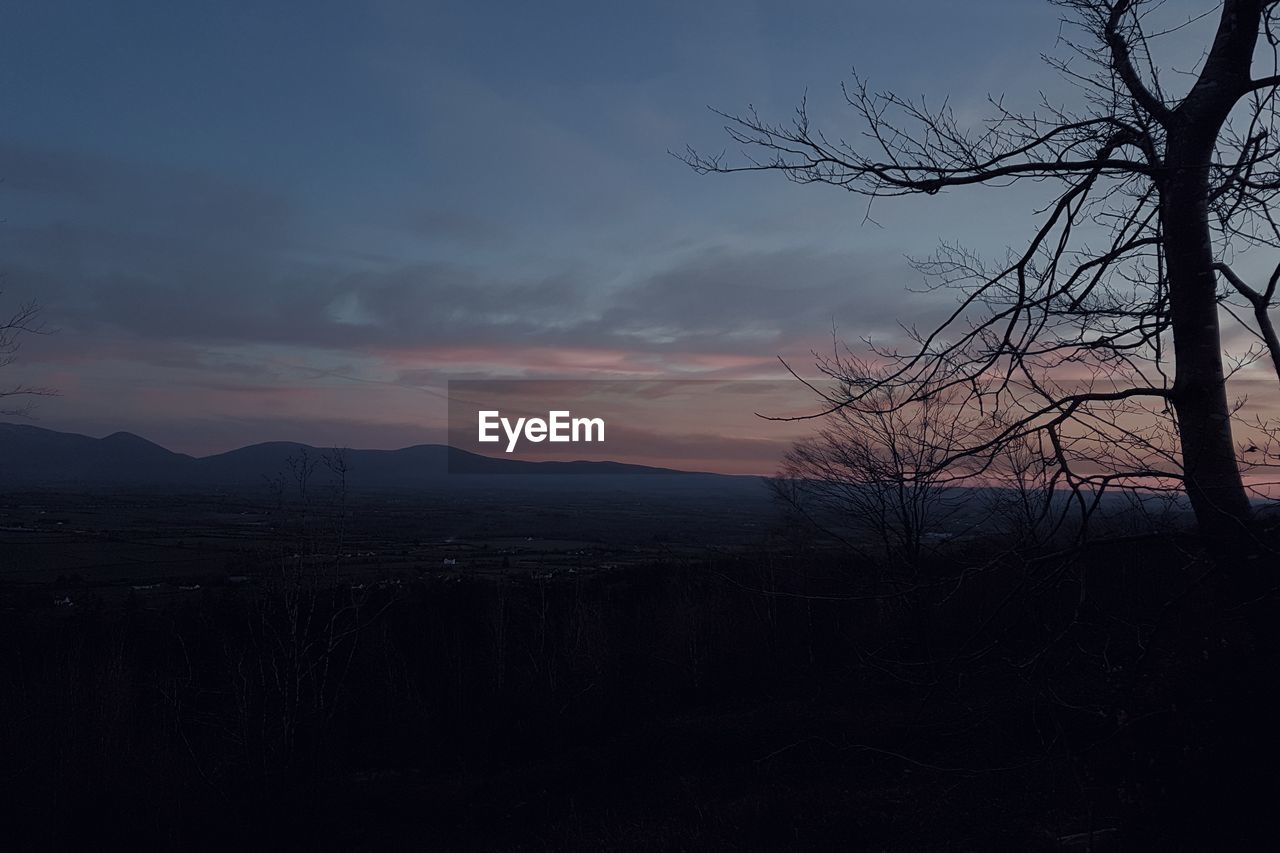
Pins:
x,y
33,457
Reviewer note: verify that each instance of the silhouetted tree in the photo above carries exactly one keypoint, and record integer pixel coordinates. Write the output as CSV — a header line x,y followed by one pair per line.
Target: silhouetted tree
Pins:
x,y
23,321
877,470
1119,286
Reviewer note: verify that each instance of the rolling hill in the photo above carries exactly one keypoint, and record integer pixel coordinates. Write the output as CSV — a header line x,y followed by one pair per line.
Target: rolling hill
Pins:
x,y
33,457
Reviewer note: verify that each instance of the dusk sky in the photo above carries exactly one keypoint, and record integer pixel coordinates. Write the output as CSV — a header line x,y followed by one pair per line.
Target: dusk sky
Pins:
x,y
254,222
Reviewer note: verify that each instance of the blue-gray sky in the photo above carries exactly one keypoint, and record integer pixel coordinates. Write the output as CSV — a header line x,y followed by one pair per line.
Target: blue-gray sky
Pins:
x,y
256,221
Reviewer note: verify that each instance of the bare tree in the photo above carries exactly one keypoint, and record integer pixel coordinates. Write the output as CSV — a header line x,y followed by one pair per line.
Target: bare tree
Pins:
x,y
24,321
1022,504
875,470
1119,287
308,620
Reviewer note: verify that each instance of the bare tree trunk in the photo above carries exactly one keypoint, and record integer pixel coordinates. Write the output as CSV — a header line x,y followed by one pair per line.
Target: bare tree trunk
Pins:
x,y
1213,479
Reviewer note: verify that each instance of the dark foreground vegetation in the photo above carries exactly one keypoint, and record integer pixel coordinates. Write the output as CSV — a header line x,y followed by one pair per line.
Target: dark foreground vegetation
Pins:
x,y
772,697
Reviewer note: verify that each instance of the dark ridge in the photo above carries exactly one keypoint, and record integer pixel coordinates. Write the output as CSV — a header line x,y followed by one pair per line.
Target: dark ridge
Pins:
x,y
35,457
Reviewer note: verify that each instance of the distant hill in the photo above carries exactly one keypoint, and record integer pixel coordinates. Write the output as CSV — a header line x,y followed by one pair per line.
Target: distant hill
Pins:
x,y
32,457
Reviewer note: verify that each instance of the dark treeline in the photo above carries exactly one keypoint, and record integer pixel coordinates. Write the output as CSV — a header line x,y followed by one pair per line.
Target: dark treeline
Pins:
x,y
788,698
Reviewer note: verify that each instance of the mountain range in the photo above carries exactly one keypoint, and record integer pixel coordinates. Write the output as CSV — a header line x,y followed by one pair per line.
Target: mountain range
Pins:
x,y
33,457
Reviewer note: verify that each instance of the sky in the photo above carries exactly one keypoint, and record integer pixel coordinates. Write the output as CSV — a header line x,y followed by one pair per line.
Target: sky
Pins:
x,y
297,221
